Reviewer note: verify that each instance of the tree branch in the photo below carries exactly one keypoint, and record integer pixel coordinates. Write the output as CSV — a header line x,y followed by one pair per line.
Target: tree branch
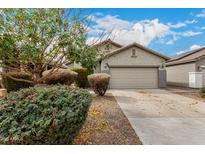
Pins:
x,y
16,79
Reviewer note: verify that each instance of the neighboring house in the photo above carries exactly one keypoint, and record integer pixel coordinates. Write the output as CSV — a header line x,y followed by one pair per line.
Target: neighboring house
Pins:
x,y
187,69
104,48
107,46
135,66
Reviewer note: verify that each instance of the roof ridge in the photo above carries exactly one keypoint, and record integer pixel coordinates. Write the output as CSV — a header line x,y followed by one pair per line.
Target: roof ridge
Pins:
x,y
187,54
139,46
109,40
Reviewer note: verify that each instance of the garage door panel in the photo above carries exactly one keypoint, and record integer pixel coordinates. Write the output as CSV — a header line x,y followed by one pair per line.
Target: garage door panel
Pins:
x,y
133,78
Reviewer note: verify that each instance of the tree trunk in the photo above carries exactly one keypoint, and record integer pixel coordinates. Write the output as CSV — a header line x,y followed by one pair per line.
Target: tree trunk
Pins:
x,y
38,73
36,77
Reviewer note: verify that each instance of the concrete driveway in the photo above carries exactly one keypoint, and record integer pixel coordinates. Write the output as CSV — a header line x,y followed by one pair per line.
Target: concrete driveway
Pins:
x,y
162,117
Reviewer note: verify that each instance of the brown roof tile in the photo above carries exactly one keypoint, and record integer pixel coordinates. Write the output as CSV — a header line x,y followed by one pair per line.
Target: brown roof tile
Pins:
x,y
190,56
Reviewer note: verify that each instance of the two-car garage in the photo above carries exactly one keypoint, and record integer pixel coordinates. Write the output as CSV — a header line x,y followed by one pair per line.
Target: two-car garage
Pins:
x,y
134,78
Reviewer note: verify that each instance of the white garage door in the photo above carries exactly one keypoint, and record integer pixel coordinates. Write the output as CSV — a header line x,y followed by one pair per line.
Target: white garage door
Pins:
x,y
134,78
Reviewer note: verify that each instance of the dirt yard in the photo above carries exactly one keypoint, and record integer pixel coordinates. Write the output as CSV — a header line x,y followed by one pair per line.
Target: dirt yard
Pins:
x,y
187,92
106,124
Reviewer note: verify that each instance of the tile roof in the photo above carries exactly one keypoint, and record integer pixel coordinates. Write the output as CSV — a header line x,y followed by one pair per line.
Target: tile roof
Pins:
x,y
190,56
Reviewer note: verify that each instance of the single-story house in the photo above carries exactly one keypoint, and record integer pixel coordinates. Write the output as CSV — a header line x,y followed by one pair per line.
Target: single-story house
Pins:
x,y
187,69
135,66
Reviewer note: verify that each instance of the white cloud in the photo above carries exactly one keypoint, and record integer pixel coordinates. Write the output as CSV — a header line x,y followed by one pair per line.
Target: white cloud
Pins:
x,y
202,28
191,21
177,25
201,14
91,17
177,35
94,32
112,22
170,42
126,32
189,33
193,47
181,52
142,32
181,24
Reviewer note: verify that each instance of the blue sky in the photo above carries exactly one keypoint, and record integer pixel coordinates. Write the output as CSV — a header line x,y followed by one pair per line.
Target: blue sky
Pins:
x,y
169,31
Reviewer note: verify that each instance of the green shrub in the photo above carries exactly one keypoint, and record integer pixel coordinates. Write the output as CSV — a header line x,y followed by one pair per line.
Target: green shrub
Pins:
x,y
13,85
99,82
62,76
202,91
43,115
81,79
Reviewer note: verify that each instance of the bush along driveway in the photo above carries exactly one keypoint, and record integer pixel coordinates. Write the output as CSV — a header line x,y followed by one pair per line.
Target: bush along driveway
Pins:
x,y
163,117
106,124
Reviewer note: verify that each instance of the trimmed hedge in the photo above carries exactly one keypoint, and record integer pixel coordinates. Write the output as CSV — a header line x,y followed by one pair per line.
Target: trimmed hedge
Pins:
x,y
99,82
61,76
43,115
81,79
13,85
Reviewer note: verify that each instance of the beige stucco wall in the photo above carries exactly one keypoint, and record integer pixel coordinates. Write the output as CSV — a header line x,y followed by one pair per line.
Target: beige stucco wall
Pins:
x,y
179,74
125,58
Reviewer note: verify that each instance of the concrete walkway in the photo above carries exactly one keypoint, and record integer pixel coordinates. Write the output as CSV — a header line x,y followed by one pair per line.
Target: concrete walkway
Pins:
x,y
162,117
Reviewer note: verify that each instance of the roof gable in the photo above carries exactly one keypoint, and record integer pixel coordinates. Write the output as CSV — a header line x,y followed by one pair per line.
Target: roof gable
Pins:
x,y
109,41
138,46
